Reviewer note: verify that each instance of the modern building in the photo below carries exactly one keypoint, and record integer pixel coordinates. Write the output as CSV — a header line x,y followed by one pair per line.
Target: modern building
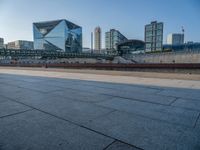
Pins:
x,y
58,35
20,44
97,38
175,39
1,43
112,38
153,36
131,47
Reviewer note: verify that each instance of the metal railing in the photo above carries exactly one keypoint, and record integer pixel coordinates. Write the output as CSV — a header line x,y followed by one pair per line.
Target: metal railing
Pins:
x,y
21,53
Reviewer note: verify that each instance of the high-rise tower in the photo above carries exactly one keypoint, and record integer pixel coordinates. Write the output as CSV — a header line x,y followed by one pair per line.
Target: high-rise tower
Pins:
x,y
154,36
97,38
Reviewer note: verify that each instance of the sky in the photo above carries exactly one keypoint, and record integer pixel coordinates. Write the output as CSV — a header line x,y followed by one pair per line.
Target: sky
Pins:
x,y
127,16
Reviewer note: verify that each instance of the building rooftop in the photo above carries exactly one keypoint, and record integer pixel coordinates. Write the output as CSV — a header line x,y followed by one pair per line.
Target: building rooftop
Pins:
x,y
59,109
53,23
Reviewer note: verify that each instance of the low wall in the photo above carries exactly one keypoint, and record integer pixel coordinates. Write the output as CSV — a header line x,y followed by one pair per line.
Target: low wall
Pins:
x,y
173,68
173,57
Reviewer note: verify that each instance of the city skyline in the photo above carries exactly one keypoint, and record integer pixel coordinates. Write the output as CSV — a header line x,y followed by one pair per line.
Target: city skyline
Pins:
x,y
129,17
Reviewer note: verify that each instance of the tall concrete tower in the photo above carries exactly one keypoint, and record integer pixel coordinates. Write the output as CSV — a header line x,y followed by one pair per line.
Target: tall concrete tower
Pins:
x,y
91,41
97,38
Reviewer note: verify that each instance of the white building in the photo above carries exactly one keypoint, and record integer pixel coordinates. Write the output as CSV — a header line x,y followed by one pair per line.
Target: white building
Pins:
x,y
1,43
175,39
20,44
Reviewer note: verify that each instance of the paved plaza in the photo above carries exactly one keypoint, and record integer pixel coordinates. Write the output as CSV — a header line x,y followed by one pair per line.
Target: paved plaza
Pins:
x,y
49,110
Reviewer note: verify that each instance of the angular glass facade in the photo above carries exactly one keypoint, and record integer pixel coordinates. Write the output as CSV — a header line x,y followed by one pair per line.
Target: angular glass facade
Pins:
x,y
112,38
58,35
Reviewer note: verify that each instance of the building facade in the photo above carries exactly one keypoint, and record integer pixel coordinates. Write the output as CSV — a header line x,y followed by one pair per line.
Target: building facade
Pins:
x,y
153,36
112,38
175,39
58,35
97,38
1,43
20,44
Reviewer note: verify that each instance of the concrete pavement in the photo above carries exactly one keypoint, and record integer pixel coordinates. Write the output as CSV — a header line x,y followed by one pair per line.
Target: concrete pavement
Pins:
x,y
61,110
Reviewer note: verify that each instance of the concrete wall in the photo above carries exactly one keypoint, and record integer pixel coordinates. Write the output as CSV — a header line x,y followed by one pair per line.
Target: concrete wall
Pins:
x,y
174,57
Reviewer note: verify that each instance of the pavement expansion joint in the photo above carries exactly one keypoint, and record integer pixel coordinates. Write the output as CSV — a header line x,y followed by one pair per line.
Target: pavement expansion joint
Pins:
x,y
13,114
198,118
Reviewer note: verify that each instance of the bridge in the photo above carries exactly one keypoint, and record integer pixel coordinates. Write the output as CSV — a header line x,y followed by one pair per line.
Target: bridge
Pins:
x,y
23,53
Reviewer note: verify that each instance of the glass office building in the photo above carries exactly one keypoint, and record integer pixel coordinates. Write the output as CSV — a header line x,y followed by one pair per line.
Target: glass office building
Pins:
x,y
154,36
58,35
112,38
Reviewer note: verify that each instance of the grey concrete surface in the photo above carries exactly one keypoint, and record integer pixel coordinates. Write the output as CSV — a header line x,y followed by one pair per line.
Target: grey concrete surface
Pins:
x,y
146,133
36,130
55,112
182,93
9,107
169,114
187,103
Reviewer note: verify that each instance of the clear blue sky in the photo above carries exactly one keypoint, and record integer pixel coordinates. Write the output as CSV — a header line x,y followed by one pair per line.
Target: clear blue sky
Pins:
x,y
128,16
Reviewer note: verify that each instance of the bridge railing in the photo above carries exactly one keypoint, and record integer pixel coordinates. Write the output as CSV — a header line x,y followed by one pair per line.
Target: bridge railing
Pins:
x,y
50,54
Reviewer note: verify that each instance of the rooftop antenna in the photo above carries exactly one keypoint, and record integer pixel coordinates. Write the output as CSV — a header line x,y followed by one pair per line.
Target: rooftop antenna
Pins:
x,y
183,30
